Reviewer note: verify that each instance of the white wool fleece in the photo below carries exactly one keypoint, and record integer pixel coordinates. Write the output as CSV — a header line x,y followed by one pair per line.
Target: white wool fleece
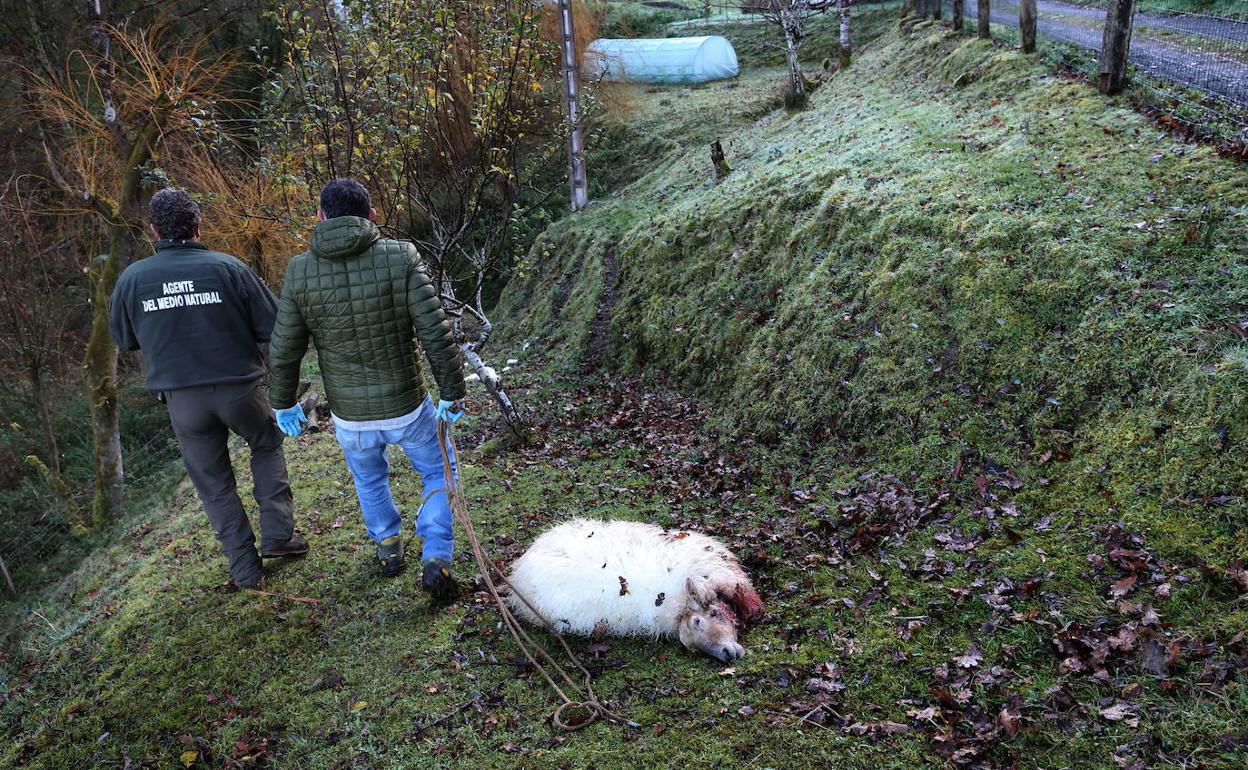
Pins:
x,y
627,574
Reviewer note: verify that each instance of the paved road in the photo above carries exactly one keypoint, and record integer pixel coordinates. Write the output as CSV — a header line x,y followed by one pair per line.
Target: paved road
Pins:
x,y
1219,75
1230,29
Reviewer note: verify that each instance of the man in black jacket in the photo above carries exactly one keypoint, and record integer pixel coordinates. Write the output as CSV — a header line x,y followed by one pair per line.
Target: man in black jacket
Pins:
x,y
200,317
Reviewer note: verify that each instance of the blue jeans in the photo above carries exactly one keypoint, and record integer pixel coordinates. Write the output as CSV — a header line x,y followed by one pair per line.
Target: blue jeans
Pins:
x,y
365,452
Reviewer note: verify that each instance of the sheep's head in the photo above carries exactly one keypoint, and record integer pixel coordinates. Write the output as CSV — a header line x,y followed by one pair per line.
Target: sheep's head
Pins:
x,y
709,624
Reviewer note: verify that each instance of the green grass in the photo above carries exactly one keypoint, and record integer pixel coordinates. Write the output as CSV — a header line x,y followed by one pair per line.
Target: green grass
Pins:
x,y
953,259
954,268
952,254
141,655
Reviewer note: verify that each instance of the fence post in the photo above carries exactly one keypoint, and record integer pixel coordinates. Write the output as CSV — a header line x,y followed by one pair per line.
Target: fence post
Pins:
x,y
982,19
1115,46
957,15
1027,24
5,571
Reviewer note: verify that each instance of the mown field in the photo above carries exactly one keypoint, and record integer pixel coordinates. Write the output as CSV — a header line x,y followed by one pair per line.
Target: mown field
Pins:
x,y
955,362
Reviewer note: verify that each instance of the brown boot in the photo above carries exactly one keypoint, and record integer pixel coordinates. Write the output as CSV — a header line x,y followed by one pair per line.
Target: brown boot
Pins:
x,y
295,546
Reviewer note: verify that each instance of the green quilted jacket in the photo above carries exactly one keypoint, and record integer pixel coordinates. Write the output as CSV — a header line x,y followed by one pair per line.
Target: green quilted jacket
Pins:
x,y
364,302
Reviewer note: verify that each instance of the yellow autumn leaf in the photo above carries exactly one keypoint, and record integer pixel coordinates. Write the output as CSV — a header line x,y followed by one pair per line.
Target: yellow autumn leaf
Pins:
x,y
188,757
360,705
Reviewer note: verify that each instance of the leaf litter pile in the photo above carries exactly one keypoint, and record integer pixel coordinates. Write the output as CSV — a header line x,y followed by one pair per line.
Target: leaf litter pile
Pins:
x,y
984,699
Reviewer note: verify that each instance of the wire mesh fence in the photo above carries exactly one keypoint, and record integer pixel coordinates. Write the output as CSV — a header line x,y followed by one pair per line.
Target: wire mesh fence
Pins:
x,y
57,524
1188,69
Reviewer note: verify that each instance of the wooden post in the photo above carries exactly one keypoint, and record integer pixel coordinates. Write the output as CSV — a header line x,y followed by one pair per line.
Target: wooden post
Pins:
x,y
572,100
1027,24
5,571
1115,46
983,19
957,15
722,169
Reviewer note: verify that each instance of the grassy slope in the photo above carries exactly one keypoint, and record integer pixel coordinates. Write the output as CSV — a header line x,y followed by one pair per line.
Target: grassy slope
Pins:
x,y
898,199
953,255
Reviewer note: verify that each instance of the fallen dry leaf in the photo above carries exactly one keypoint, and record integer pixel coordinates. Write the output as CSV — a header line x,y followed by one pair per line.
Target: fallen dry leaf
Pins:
x,y
1121,712
1123,587
1155,657
1238,574
971,658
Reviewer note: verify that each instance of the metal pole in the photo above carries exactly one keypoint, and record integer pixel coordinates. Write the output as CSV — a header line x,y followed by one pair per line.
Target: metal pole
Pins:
x,y
572,99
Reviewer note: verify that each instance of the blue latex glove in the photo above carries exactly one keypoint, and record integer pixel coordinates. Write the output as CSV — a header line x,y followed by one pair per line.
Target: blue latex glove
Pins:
x,y
291,420
449,412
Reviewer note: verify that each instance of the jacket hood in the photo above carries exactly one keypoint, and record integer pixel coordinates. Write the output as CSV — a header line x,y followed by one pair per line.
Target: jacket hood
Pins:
x,y
343,237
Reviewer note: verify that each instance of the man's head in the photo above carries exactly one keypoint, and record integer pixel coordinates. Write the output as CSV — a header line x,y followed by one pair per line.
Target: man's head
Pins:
x,y
173,215
345,198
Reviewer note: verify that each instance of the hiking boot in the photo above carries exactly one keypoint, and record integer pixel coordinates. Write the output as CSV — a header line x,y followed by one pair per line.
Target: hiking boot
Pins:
x,y
295,546
436,579
251,584
390,554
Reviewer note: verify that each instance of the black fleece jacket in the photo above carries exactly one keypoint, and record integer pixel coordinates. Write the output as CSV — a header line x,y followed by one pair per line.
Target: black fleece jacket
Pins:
x,y
199,316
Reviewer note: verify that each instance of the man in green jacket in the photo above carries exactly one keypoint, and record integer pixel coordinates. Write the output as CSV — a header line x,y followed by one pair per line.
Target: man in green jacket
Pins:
x,y
365,301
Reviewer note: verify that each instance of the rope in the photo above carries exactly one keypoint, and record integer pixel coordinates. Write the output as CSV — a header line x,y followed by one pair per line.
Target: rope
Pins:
x,y
582,698
287,597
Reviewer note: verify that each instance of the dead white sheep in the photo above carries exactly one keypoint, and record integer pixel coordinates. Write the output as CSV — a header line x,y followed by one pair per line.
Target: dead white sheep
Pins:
x,y
625,578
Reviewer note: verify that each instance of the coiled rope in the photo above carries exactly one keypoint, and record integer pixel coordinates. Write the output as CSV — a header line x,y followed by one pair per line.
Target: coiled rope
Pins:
x,y
583,699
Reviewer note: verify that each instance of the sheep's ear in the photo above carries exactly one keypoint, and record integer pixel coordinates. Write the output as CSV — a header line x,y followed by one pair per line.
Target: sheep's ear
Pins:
x,y
693,600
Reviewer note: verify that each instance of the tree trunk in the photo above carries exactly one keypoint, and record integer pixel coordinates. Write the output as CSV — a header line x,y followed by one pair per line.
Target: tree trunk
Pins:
x,y
101,355
936,9
1027,24
845,46
1115,46
45,419
983,19
796,98
100,373
957,15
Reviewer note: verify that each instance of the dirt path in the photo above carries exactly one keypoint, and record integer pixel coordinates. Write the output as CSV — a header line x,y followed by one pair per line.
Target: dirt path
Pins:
x,y
1219,75
602,317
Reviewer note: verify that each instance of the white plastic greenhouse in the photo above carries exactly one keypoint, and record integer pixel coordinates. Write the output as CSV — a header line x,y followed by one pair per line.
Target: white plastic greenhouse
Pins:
x,y
662,60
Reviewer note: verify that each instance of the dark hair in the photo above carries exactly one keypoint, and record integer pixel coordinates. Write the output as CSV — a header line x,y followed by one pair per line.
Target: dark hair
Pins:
x,y
174,215
345,198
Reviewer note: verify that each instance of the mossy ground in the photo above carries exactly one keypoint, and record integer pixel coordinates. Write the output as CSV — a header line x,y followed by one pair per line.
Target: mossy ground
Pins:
x,y
954,268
